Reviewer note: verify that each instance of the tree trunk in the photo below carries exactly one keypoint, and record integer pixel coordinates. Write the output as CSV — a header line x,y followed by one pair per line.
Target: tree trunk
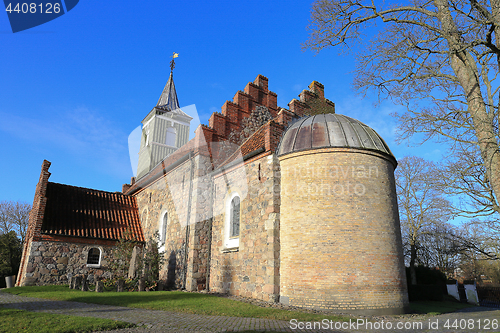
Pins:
x,y
466,72
413,258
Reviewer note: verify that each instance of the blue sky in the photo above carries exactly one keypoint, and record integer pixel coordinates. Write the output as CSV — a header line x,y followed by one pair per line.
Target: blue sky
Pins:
x,y
73,89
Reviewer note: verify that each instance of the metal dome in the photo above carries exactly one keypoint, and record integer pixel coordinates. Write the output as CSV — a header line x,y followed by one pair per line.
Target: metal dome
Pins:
x,y
330,130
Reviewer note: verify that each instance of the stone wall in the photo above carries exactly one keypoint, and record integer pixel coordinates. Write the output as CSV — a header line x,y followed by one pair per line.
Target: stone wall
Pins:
x,y
252,269
52,262
341,241
184,193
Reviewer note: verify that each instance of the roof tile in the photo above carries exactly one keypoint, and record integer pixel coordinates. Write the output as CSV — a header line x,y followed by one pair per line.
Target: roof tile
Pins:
x,y
82,212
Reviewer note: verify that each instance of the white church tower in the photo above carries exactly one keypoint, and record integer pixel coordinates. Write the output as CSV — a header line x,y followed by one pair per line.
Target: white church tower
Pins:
x,y
165,128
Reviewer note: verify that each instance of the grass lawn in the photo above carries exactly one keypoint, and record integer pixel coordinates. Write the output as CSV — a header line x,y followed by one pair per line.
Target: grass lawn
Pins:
x,y
23,321
203,304
177,301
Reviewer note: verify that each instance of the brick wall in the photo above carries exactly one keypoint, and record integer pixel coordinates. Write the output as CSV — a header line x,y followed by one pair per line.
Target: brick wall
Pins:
x,y
340,233
251,270
35,219
233,112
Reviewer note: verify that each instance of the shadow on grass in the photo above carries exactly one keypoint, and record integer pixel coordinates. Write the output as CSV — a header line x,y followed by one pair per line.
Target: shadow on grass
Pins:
x,y
173,301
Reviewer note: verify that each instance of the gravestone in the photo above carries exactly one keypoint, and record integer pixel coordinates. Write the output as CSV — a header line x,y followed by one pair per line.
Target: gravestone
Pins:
x,y
85,283
78,282
120,285
99,286
134,262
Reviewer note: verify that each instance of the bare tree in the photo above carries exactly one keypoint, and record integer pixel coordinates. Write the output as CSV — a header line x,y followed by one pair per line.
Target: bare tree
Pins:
x,y
439,58
464,176
439,249
421,205
6,223
14,217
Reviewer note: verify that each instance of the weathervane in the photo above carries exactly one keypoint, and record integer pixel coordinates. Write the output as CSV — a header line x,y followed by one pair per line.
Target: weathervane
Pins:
x,y
172,62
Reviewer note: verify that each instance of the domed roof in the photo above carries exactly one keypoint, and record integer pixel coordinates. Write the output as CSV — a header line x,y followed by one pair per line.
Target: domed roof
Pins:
x,y
330,130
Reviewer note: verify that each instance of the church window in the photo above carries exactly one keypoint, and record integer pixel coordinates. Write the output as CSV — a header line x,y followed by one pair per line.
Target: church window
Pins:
x,y
94,257
235,217
232,222
170,137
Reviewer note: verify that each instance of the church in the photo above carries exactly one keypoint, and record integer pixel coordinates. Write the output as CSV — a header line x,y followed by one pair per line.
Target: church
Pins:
x,y
294,205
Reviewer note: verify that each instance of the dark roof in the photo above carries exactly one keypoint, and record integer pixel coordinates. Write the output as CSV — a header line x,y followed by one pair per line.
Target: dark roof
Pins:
x,y
168,99
330,130
82,212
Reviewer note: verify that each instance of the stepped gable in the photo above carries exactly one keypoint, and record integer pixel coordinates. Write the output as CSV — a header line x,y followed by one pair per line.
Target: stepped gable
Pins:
x,y
312,102
222,124
232,113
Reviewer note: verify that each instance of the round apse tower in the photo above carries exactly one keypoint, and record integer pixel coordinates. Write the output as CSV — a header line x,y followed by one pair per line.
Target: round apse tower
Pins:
x,y
339,228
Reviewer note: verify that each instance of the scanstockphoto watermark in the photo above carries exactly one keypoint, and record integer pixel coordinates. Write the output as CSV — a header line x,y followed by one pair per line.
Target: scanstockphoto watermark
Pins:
x,y
444,325
25,15
335,180
345,171
358,324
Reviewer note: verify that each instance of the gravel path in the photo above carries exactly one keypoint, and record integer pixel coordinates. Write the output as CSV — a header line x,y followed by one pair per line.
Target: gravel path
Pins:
x,y
475,319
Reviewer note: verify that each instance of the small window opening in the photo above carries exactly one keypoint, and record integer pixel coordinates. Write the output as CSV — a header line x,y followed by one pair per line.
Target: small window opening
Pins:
x,y
163,231
235,217
94,256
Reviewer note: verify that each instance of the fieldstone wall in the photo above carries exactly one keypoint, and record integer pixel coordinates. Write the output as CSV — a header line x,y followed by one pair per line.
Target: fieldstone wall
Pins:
x,y
52,262
341,241
185,194
251,270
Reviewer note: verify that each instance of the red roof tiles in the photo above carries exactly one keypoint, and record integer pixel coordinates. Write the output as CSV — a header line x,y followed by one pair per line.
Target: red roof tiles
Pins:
x,y
82,212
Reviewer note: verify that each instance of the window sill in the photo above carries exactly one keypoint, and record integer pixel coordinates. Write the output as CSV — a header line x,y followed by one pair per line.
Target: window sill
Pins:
x,y
94,265
230,249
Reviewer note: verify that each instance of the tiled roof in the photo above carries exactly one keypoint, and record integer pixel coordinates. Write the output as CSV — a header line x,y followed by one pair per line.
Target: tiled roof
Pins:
x,y
82,212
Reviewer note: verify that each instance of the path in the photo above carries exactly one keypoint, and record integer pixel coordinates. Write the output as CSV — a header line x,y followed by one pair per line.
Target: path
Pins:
x,y
164,321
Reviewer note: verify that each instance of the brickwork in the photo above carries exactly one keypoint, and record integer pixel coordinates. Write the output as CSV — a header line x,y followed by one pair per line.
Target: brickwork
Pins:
x,y
35,218
340,232
53,262
233,112
251,270
311,102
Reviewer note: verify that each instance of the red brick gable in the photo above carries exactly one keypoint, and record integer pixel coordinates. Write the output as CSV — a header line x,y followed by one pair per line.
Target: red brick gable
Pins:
x,y
232,113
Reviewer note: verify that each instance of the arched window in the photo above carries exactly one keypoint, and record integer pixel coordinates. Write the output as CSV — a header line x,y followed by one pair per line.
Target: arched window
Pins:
x,y
232,222
170,137
163,231
235,217
94,257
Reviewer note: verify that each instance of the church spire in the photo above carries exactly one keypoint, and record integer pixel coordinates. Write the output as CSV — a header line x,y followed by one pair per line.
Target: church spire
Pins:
x,y
168,99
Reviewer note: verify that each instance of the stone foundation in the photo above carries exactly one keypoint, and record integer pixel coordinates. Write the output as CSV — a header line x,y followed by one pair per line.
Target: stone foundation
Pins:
x,y
54,262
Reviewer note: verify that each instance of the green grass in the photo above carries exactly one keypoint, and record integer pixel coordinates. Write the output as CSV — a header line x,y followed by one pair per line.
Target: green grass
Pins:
x,y
204,304
13,320
435,308
176,301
